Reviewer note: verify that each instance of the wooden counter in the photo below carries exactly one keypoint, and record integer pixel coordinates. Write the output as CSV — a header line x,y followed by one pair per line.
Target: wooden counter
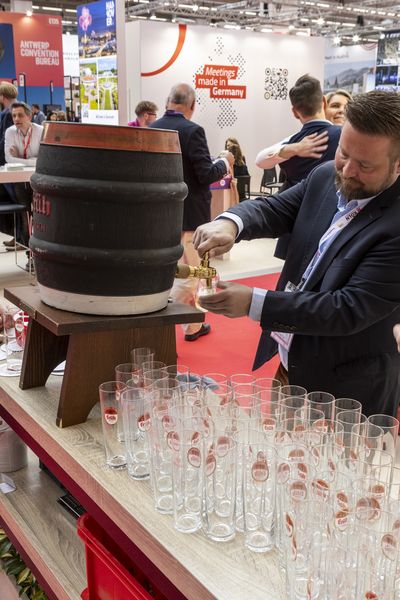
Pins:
x,y
184,566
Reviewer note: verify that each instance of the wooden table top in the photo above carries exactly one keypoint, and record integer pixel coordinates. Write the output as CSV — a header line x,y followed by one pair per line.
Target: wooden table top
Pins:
x,y
17,176
62,322
198,567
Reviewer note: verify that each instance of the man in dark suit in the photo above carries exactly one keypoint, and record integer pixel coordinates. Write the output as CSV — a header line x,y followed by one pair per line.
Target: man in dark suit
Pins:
x,y
314,144
8,95
199,171
338,296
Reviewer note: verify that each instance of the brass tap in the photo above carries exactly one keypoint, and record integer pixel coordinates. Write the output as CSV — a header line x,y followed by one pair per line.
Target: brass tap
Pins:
x,y
204,271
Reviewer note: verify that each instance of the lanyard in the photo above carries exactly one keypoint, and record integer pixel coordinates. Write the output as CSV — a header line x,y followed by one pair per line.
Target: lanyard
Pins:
x,y
26,140
327,237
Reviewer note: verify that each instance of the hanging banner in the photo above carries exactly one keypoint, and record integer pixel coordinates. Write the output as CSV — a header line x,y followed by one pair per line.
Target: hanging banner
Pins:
x,y
97,33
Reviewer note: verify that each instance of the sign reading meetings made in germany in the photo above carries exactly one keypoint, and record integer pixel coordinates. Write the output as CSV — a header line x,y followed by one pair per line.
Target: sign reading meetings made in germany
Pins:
x,y
97,33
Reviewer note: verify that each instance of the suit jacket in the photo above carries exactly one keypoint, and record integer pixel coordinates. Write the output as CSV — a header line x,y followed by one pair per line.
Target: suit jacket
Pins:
x,y
343,318
298,167
198,169
5,123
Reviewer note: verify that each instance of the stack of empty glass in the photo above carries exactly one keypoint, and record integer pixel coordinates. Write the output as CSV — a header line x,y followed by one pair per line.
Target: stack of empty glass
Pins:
x,y
300,474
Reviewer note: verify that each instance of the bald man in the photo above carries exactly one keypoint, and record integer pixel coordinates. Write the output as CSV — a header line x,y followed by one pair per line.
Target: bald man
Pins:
x,y
199,171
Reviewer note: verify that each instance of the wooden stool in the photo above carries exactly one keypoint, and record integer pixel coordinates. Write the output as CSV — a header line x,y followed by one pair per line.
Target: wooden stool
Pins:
x,y
91,345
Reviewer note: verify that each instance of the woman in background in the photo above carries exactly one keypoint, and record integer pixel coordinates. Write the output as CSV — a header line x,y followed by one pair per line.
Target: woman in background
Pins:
x,y
239,170
233,141
336,104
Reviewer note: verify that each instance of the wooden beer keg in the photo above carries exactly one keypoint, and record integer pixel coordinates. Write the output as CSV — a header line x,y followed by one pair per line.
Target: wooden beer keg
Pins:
x,y
107,217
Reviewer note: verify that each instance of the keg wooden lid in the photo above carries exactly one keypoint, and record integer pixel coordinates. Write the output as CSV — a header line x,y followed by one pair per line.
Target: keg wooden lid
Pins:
x,y
111,137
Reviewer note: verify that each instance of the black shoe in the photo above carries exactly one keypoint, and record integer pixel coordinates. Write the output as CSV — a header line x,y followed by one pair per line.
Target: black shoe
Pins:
x,y
30,267
204,330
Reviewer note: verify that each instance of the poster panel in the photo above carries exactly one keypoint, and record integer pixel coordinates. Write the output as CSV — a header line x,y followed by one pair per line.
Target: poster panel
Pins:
x,y
350,68
242,79
387,75
97,34
32,46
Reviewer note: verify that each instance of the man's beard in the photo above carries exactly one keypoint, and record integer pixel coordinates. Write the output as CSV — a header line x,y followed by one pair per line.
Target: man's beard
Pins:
x,y
352,189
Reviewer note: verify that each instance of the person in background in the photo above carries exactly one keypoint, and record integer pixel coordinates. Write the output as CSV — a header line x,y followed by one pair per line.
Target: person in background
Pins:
x,y
146,113
239,166
338,298
8,95
231,140
239,169
199,171
315,143
22,143
51,116
336,103
61,116
37,115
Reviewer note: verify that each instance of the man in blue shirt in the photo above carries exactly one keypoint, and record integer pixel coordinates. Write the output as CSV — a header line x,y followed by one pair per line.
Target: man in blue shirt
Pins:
x,y
338,297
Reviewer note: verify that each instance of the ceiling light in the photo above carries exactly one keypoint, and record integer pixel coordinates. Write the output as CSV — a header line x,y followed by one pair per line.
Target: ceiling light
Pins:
x,y
382,36
250,13
291,27
68,33
29,13
153,17
70,10
356,37
348,24
231,26
303,33
54,8
336,39
320,21
304,19
266,30
195,7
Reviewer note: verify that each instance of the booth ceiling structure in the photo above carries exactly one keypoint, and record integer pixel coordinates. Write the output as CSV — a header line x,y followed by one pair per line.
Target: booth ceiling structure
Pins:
x,y
346,21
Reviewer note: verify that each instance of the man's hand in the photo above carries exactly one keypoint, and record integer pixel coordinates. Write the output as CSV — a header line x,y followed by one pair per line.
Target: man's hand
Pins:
x,y
233,301
229,157
312,146
14,151
396,333
216,237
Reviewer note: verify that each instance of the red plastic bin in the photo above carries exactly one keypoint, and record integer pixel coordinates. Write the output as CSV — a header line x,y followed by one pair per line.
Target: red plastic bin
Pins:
x,y
111,574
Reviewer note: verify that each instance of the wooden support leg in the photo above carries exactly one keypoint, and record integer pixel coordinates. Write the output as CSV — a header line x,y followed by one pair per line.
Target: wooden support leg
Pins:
x,y
92,358
43,352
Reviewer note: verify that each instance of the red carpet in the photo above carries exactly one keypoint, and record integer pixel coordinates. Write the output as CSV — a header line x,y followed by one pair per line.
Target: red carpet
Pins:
x,y
232,343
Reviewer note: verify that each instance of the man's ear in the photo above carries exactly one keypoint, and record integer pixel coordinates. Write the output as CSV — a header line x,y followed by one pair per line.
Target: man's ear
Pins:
x,y
295,113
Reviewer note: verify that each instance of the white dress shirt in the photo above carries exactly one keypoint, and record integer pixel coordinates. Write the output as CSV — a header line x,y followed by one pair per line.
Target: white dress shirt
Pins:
x,y
15,138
